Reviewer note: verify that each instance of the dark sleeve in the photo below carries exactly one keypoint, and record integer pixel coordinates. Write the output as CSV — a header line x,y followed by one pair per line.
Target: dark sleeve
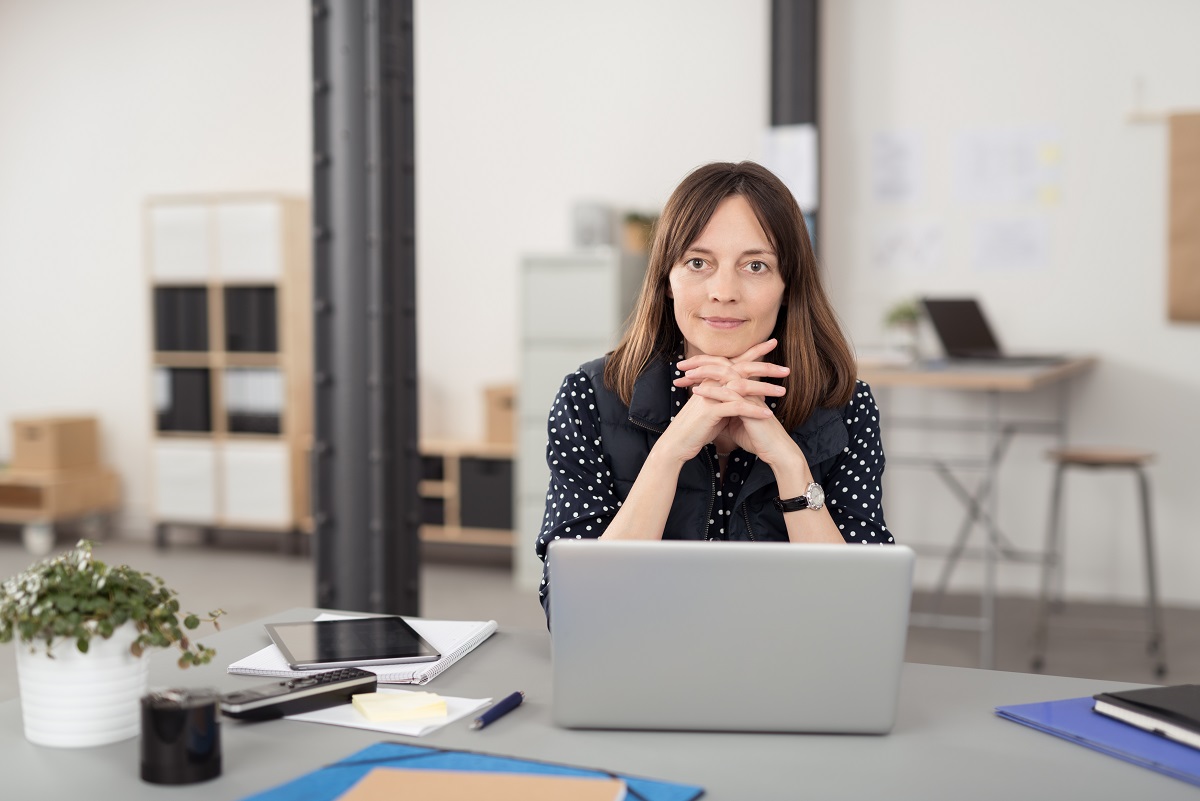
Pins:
x,y
582,498
855,490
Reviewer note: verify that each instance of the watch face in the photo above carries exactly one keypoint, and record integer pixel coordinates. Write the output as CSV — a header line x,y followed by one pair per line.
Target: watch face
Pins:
x,y
816,496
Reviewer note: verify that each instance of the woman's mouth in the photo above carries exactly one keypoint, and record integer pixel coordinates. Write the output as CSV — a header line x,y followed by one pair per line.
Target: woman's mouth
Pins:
x,y
723,322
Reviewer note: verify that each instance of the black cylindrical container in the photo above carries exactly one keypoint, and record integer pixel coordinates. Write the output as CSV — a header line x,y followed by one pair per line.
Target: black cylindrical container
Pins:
x,y
181,739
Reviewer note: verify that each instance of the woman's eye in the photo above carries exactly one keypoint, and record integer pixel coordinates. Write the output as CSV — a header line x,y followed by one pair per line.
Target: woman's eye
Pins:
x,y
757,267
695,264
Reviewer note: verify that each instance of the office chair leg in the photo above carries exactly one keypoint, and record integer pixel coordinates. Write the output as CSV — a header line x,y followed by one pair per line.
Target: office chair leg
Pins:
x,y
1156,645
1050,561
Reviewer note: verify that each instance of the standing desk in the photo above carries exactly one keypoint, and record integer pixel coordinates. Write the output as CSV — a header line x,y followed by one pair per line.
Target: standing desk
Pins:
x,y
992,380
947,743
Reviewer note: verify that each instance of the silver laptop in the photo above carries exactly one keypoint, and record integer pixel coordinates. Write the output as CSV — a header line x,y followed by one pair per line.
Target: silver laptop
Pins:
x,y
725,636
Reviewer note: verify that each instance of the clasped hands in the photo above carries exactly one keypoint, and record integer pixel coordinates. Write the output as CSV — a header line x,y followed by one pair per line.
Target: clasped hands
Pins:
x,y
729,397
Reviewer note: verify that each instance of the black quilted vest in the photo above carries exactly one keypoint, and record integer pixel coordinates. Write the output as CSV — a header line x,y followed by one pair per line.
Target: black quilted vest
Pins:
x,y
629,432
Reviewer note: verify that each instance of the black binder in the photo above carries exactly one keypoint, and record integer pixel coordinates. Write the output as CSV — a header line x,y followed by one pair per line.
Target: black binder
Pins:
x,y
1173,712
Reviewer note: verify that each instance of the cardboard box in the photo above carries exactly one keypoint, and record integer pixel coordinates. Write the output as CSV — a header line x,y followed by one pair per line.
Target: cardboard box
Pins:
x,y
55,443
49,496
501,409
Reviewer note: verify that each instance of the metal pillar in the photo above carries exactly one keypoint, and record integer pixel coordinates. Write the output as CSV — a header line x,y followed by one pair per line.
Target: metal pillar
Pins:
x,y
365,465
794,65
795,70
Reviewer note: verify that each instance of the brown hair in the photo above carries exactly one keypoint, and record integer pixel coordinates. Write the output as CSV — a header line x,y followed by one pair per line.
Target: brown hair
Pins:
x,y
811,343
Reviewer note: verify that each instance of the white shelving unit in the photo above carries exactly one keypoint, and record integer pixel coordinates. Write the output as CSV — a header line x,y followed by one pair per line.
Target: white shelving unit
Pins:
x,y
230,299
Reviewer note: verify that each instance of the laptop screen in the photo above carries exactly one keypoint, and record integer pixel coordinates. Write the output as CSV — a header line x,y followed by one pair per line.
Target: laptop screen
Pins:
x,y
961,327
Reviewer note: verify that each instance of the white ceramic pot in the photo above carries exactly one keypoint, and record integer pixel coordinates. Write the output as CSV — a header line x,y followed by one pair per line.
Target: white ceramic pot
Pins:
x,y
76,700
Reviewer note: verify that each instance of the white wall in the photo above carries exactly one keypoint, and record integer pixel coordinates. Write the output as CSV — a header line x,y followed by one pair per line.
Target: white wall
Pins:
x,y
523,109
938,68
104,104
527,107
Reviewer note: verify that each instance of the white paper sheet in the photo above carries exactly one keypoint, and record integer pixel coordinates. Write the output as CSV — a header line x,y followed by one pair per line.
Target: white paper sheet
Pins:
x,y
347,715
1009,166
790,151
1013,243
897,166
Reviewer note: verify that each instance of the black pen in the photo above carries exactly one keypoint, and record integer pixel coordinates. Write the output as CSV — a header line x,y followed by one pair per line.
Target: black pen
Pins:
x,y
498,710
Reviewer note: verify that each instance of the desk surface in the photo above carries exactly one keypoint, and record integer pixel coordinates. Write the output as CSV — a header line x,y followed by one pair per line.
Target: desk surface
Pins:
x,y
947,742
975,375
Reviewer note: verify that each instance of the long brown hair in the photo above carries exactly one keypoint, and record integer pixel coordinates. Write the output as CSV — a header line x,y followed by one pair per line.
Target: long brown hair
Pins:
x,y
810,339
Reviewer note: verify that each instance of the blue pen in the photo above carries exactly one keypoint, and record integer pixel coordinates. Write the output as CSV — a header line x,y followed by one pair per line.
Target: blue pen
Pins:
x,y
498,710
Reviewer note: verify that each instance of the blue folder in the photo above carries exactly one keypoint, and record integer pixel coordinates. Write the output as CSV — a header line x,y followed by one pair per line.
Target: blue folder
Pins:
x,y
331,781
1073,719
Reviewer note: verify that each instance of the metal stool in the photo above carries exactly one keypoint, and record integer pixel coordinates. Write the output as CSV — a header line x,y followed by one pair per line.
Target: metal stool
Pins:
x,y
1098,459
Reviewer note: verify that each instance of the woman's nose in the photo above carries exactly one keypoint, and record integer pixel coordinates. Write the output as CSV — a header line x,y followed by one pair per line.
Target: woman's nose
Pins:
x,y
723,285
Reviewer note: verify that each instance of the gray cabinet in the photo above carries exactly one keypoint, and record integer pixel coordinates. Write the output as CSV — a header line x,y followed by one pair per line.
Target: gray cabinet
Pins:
x,y
573,309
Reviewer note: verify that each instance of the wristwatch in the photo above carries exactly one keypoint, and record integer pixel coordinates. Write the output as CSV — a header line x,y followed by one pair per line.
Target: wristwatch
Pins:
x,y
813,498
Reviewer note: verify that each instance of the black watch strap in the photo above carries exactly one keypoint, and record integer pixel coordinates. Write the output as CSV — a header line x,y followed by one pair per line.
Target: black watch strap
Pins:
x,y
791,504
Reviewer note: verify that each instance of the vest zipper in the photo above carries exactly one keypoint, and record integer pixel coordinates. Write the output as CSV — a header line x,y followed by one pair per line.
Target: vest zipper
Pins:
x,y
712,496
746,517
712,473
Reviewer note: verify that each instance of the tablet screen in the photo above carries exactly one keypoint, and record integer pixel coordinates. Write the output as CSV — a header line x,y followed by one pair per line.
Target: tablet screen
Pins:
x,y
349,643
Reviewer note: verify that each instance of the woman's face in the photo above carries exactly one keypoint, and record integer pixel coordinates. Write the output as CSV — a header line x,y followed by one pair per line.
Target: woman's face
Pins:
x,y
727,287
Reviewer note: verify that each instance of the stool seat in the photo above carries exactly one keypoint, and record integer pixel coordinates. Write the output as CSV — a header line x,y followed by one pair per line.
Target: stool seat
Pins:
x,y
1101,457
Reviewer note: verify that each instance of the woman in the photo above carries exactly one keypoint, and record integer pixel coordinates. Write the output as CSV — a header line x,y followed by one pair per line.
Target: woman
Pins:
x,y
730,408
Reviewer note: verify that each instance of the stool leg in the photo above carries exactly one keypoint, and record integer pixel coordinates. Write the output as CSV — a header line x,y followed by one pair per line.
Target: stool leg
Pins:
x,y
1156,645
1050,560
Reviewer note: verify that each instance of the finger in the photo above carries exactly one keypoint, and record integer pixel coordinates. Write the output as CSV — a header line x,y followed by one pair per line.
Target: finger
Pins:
x,y
740,387
745,387
757,352
726,395
723,376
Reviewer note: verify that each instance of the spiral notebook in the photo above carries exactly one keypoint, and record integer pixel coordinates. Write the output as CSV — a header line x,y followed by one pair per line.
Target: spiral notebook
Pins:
x,y
454,639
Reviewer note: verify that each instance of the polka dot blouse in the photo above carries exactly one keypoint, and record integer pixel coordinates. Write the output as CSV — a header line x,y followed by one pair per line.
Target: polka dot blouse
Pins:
x,y
582,498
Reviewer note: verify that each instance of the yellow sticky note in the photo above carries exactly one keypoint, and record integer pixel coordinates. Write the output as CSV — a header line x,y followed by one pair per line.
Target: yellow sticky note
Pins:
x,y
399,706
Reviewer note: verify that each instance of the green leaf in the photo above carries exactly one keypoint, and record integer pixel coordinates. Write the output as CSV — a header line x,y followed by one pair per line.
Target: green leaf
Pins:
x,y
82,645
191,621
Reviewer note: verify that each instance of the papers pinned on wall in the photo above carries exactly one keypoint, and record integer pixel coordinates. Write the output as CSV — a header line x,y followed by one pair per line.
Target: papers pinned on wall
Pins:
x,y
790,151
1008,166
1013,243
897,167
917,247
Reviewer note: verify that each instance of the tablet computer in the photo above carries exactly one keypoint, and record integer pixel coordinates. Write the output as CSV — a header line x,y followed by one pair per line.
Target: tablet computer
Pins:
x,y
352,642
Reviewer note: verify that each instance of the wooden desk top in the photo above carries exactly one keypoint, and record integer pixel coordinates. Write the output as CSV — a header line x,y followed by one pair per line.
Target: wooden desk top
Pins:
x,y
974,376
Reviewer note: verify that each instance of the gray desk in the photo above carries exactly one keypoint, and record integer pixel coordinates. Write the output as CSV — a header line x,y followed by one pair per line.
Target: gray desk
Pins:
x,y
947,744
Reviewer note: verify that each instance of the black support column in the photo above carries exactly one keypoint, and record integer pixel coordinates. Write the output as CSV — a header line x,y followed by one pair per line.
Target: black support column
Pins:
x,y
365,459
795,72
794,36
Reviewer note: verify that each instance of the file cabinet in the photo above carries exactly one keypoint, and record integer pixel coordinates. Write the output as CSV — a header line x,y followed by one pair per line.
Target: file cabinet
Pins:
x,y
230,302
559,333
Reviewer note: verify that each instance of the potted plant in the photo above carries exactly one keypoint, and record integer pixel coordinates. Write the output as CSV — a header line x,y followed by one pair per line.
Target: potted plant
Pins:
x,y
638,228
902,319
82,629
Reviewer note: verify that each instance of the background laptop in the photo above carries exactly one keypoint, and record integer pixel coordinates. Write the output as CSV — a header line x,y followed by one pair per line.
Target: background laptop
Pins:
x,y
728,636
965,334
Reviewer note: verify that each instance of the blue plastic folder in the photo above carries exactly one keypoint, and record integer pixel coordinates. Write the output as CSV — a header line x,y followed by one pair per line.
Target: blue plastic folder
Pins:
x,y
1073,719
329,782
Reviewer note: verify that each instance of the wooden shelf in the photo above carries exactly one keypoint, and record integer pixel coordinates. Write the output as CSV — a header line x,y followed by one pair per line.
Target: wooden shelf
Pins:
x,y
501,538
471,502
